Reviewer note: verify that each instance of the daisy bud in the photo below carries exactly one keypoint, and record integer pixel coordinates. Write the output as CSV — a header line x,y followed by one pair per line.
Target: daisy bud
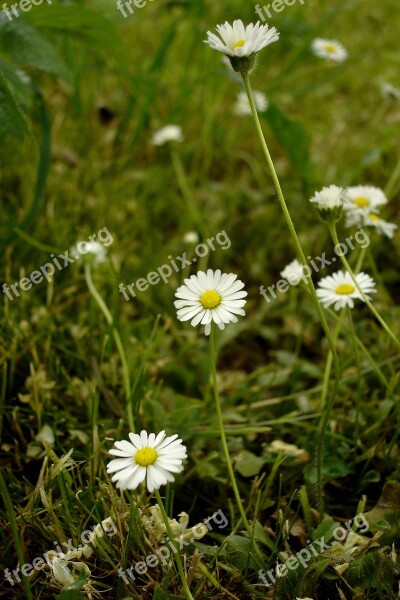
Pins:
x,y
329,203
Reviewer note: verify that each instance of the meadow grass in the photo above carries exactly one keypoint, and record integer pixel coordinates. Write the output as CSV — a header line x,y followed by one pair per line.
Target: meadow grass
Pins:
x,y
87,163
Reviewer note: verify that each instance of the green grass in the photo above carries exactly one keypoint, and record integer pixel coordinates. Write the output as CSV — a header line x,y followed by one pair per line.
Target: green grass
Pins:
x,y
58,358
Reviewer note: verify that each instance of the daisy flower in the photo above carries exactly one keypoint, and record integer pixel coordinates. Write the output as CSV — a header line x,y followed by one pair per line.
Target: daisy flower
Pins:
x,y
329,49
382,227
211,296
390,91
97,252
242,106
169,133
293,272
146,457
329,202
240,43
339,289
361,200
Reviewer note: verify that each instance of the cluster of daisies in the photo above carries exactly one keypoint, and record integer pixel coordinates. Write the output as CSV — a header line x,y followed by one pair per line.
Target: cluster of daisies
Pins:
x,y
216,298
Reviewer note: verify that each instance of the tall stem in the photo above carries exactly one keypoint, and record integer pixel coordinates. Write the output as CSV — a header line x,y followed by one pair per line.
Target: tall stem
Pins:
x,y
325,417
213,360
176,554
332,228
118,343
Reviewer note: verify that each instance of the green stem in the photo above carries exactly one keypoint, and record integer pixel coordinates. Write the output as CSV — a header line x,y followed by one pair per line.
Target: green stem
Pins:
x,y
187,192
325,417
118,343
358,365
171,539
332,228
393,181
14,529
328,366
213,360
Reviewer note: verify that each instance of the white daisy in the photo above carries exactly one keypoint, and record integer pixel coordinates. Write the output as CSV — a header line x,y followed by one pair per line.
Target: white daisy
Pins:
x,y
169,133
238,40
328,198
339,289
382,226
390,91
211,296
361,200
97,251
242,106
146,457
330,49
191,237
294,273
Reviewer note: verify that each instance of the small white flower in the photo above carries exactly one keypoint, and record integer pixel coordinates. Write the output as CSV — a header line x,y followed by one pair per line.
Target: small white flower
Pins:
x,y
328,198
361,200
294,272
242,106
390,91
146,457
169,133
329,49
382,227
339,289
46,434
97,251
211,296
238,40
191,237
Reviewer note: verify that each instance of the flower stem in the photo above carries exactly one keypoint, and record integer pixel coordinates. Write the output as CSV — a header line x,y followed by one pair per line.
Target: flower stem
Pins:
x,y
332,228
358,365
176,554
329,405
213,360
118,343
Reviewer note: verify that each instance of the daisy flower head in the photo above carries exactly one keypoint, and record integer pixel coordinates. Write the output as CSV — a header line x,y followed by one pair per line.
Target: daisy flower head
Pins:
x,y
294,273
146,457
329,49
339,289
329,202
240,43
390,91
382,227
169,133
210,297
361,200
242,105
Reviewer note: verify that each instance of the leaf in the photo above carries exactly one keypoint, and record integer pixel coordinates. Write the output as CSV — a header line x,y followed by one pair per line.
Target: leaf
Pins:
x,y
238,551
12,119
248,464
71,592
26,47
19,84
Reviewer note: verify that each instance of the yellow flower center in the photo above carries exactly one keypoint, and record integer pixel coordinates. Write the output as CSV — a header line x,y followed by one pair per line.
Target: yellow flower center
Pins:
x,y
330,48
238,44
374,218
345,289
361,202
145,457
210,299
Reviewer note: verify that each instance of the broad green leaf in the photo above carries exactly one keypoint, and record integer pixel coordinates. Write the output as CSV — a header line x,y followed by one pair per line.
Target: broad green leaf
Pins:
x,y
248,464
26,47
12,119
